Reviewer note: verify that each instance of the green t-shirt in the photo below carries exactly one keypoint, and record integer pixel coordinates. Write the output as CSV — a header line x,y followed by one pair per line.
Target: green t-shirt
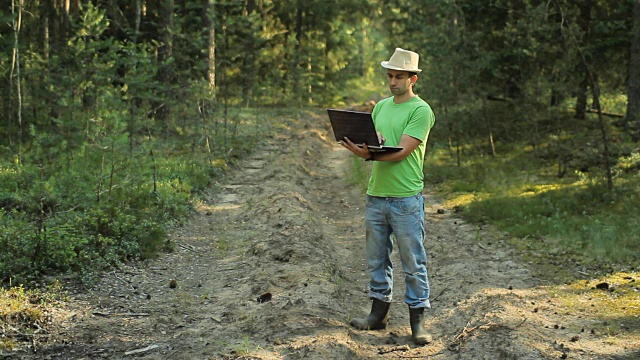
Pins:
x,y
401,178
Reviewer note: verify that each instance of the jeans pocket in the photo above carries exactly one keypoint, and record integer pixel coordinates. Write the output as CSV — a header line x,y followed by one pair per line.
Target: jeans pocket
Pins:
x,y
368,201
409,205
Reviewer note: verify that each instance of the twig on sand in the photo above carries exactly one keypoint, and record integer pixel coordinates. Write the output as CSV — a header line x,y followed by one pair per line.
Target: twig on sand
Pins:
x,y
123,280
14,332
441,292
521,322
403,348
468,329
418,356
393,349
139,351
99,313
455,345
187,247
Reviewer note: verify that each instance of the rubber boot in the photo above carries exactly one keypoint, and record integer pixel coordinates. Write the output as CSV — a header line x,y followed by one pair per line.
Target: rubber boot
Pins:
x,y
419,334
377,319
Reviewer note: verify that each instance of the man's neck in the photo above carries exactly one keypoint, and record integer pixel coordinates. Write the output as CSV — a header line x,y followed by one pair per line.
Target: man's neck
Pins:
x,y
404,97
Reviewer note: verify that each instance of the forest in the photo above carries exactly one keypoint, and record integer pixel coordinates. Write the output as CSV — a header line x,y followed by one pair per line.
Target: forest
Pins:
x,y
116,115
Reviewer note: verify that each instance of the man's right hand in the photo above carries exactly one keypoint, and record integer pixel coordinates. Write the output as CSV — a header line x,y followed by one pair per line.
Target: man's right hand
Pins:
x,y
362,152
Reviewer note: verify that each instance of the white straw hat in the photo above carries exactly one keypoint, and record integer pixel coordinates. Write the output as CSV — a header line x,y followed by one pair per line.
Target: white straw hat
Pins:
x,y
403,60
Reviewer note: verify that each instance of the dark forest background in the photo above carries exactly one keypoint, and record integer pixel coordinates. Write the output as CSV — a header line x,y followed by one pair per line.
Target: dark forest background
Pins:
x,y
115,114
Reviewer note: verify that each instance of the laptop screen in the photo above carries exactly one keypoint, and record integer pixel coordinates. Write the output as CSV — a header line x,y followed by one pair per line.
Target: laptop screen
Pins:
x,y
356,125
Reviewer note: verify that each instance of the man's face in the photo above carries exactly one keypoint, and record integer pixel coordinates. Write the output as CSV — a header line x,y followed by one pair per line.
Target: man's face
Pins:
x,y
399,81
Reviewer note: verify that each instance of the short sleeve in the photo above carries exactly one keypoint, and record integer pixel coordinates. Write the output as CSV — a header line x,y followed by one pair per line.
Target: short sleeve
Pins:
x,y
421,121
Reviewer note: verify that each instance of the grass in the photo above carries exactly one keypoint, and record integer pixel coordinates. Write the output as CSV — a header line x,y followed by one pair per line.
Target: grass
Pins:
x,y
23,313
246,348
333,272
86,208
574,216
359,173
615,309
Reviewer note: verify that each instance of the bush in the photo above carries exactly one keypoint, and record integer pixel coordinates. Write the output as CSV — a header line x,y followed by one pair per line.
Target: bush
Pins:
x,y
77,220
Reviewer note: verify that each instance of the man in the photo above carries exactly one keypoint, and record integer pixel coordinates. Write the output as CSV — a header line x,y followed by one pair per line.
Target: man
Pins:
x,y
395,204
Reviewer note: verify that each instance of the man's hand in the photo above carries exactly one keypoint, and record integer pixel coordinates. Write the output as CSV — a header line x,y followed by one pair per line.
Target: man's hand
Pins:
x,y
362,152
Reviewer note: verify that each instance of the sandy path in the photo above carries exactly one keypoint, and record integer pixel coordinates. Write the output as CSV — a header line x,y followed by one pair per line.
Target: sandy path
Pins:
x,y
289,224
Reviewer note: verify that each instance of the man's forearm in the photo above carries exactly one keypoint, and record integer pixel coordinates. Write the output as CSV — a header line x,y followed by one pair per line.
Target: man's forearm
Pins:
x,y
407,143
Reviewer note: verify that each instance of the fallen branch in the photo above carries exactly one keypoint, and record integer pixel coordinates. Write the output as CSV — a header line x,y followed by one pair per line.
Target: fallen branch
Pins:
x,y
143,350
517,326
187,247
606,113
123,280
441,292
418,356
15,332
393,349
455,345
99,313
25,336
467,330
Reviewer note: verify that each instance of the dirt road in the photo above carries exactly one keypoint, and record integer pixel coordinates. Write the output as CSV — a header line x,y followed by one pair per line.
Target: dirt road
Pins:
x,y
287,230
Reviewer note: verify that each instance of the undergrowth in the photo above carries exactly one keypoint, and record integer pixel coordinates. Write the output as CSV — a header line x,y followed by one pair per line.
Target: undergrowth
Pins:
x,y
79,210
575,216
612,299
25,313
358,173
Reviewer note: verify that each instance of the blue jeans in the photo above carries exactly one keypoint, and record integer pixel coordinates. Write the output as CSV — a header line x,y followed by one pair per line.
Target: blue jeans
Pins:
x,y
404,218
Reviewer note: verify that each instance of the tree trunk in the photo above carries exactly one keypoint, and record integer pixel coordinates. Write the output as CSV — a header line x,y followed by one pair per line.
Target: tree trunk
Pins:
x,y
210,15
208,105
492,145
224,84
297,53
286,59
46,45
55,44
16,10
65,20
632,118
248,64
603,130
584,21
136,30
165,52
581,99
75,8
328,50
361,49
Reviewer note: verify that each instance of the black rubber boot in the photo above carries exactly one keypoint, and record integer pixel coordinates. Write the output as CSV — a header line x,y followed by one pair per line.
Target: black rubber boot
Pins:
x,y
418,333
377,319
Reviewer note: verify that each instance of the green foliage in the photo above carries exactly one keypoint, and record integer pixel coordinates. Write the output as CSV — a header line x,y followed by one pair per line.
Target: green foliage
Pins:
x,y
87,208
359,173
576,219
26,311
574,215
58,224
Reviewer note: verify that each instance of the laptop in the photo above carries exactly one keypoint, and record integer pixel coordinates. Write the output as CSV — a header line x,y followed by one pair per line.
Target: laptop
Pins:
x,y
358,127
